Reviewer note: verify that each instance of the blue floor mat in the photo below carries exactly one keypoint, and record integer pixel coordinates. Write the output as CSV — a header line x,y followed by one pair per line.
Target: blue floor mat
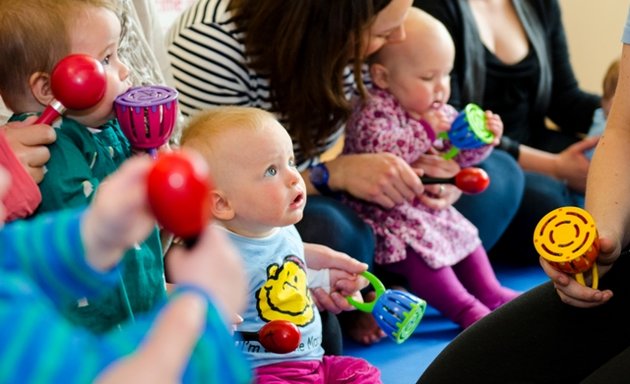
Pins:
x,y
403,363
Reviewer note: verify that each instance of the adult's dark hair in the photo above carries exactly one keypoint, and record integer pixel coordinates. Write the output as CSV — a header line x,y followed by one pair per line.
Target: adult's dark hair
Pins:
x,y
303,46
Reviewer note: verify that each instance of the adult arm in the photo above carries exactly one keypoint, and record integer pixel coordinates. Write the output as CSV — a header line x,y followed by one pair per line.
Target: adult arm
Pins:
x,y
606,197
41,346
23,195
23,153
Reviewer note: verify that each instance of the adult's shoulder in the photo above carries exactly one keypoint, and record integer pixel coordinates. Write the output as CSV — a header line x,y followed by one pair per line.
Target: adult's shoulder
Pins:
x,y
440,9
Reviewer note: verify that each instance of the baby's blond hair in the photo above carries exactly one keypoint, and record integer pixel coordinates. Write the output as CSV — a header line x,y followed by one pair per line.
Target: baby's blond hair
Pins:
x,y
205,126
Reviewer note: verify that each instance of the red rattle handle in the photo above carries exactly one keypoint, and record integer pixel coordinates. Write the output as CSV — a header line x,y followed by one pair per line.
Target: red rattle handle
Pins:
x,y
470,180
77,82
567,238
179,194
277,336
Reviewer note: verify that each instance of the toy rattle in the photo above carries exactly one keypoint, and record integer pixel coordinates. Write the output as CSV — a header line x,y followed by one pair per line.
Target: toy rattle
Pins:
x,y
277,336
468,131
147,115
179,195
469,180
567,238
77,82
397,313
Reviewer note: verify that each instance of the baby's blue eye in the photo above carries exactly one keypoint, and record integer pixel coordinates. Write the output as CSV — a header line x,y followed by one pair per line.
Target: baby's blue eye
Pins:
x,y
292,163
106,60
271,171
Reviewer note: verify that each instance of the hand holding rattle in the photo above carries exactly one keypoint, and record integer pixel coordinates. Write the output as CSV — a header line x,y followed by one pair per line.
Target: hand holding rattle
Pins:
x,y
468,131
567,238
397,313
469,180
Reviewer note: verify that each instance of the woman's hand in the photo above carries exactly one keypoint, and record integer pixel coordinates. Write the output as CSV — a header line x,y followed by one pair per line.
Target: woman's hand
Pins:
x,y
28,141
573,293
572,165
380,178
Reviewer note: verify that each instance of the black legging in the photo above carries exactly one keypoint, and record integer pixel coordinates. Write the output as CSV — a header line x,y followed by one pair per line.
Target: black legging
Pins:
x,y
538,339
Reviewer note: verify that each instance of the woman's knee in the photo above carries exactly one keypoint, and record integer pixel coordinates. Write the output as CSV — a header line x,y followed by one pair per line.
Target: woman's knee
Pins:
x,y
329,222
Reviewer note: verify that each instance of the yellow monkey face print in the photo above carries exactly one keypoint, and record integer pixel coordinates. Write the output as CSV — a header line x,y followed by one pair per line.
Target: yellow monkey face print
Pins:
x,y
285,294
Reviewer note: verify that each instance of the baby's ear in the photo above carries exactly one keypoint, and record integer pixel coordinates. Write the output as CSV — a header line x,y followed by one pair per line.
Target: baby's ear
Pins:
x,y
221,207
379,75
39,83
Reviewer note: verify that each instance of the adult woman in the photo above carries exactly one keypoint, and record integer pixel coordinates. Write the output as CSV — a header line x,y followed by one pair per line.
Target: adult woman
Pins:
x,y
512,58
563,332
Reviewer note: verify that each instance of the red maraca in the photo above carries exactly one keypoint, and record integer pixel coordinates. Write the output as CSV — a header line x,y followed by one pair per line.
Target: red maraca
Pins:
x,y
77,82
179,195
277,336
469,180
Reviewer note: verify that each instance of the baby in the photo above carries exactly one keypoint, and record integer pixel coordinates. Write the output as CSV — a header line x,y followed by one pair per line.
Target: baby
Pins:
x,y
36,34
436,249
259,195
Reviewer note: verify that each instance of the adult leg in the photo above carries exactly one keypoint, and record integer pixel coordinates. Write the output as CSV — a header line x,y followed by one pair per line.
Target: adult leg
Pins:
x,y
492,210
542,195
536,338
329,222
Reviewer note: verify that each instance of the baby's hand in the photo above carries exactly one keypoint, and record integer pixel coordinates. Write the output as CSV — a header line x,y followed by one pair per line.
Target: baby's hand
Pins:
x,y
438,120
495,125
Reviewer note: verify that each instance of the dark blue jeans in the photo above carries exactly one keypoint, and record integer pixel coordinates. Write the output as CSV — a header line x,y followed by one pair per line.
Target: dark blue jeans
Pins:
x,y
492,210
327,221
542,195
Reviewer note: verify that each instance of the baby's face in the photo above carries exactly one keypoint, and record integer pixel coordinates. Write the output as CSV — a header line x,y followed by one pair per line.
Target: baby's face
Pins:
x,y
98,35
256,171
422,82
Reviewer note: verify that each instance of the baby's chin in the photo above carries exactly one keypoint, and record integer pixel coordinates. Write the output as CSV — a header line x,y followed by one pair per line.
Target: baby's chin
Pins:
x,y
92,120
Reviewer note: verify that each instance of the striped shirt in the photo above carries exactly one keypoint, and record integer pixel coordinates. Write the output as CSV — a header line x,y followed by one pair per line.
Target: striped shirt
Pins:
x,y
37,345
209,66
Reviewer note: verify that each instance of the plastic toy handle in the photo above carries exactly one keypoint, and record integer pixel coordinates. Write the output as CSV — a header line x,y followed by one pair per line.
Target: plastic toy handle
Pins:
x,y
379,289
470,180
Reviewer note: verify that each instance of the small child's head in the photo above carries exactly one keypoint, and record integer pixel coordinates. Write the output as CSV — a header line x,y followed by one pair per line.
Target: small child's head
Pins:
x,y
36,34
417,70
256,184
609,86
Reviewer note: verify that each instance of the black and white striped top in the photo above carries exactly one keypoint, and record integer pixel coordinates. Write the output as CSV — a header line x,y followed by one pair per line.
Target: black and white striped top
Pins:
x,y
210,68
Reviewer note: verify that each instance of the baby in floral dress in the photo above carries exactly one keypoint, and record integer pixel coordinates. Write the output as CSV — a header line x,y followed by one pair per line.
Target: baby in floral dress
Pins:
x,y
437,250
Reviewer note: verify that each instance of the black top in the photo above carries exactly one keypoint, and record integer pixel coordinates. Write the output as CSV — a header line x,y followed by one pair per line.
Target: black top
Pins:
x,y
523,94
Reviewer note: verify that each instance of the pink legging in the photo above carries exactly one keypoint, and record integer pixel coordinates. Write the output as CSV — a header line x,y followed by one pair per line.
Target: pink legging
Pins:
x,y
464,293
332,369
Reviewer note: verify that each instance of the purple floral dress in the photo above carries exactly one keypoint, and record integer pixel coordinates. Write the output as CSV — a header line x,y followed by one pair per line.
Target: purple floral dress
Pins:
x,y
441,237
